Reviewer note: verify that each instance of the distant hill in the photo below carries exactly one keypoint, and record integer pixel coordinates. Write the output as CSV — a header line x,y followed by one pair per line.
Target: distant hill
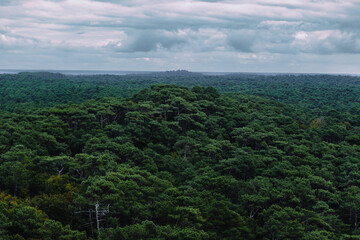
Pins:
x,y
177,73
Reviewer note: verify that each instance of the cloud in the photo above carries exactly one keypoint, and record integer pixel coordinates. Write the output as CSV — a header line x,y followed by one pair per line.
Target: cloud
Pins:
x,y
146,41
327,42
179,31
242,41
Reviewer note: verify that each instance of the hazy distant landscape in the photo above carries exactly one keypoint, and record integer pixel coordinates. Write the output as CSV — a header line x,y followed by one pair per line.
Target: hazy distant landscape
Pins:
x,y
103,72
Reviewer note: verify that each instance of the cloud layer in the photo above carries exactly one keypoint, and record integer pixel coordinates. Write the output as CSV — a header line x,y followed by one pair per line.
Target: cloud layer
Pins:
x,y
213,35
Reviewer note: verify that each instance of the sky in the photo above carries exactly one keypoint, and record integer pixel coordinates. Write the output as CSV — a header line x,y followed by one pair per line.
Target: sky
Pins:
x,y
299,36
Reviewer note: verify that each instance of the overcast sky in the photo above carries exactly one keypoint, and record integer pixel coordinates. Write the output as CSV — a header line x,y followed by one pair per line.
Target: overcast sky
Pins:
x,y
214,35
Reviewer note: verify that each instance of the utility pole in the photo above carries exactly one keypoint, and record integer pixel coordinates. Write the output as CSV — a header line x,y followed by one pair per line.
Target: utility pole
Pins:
x,y
99,214
97,219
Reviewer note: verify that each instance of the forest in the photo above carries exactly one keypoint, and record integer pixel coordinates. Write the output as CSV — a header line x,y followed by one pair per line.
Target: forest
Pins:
x,y
179,156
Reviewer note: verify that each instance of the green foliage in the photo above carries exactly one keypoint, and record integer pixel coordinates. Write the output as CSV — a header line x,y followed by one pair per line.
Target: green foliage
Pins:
x,y
178,163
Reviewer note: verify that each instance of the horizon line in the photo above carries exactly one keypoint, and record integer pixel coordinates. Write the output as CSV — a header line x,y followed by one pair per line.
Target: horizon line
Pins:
x,y
3,71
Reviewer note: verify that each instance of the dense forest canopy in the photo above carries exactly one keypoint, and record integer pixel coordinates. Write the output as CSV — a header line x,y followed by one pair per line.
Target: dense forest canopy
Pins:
x,y
321,93
179,156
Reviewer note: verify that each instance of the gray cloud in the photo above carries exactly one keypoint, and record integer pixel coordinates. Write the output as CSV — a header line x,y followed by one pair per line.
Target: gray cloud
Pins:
x,y
166,33
146,41
242,41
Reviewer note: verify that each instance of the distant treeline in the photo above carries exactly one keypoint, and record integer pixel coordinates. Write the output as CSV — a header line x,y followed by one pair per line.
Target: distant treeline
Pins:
x,y
322,94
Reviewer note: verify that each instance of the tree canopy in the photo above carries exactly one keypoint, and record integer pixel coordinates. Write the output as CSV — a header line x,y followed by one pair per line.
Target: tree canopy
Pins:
x,y
172,162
